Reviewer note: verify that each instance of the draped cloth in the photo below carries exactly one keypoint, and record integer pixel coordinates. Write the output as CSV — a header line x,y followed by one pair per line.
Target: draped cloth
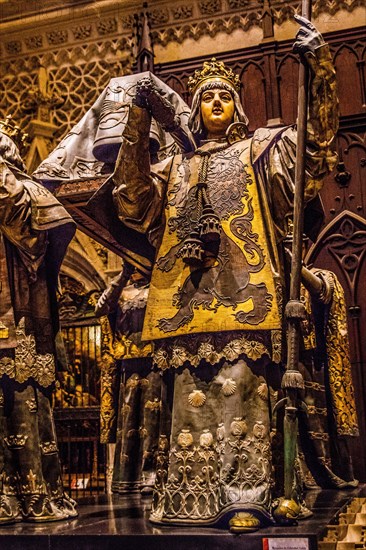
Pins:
x,y
89,151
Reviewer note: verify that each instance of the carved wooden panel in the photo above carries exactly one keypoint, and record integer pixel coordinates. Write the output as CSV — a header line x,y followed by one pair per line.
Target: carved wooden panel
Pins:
x,y
253,95
288,69
350,79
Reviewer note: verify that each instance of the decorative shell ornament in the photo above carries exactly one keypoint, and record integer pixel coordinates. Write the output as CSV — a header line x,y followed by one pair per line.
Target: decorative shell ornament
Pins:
x,y
263,392
196,398
229,387
185,439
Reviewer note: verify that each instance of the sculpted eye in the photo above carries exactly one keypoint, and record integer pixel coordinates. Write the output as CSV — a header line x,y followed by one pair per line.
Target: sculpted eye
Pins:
x,y
226,97
207,97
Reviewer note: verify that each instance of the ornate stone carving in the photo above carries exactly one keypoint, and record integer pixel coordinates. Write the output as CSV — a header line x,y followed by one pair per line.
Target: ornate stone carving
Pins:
x,y
237,4
209,7
158,17
182,12
34,42
14,47
57,37
107,26
81,32
206,27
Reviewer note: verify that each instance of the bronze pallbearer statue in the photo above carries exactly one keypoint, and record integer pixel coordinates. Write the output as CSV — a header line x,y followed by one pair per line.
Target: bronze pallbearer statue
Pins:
x,y
217,217
34,233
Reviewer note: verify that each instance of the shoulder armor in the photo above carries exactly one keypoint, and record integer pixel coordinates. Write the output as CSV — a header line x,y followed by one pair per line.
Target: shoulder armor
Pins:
x,y
262,139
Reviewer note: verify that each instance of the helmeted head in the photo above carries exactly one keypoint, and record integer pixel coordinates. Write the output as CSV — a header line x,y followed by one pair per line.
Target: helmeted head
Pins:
x,y
10,138
214,82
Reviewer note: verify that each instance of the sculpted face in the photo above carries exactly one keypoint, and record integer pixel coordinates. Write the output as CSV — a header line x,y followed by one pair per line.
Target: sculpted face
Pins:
x,y
217,110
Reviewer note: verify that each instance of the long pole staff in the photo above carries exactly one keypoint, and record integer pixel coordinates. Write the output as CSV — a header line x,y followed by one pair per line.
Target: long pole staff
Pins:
x,y
292,379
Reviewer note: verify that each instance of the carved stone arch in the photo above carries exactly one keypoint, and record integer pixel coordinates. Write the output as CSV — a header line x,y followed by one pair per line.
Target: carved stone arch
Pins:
x,y
83,264
253,94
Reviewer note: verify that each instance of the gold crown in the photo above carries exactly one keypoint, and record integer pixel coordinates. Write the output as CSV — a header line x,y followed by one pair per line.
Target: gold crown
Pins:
x,y
9,128
213,70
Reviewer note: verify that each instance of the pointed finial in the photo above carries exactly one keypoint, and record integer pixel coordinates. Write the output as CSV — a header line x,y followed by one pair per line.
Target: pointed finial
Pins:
x,y
145,54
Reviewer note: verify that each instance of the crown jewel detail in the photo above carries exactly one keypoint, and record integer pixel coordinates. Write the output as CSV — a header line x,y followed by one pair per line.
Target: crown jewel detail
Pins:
x,y
9,128
213,70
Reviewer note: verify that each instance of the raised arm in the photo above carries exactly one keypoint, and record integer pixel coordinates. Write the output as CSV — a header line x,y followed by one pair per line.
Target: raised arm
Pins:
x,y
137,194
323,99
274,151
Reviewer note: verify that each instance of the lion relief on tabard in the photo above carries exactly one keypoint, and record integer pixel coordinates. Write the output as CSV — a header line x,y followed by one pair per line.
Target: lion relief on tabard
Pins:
x,y
226,281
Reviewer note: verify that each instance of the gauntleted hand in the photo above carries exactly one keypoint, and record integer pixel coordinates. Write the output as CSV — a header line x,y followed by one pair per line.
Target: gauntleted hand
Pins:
x,y
149,96
144,88
308,38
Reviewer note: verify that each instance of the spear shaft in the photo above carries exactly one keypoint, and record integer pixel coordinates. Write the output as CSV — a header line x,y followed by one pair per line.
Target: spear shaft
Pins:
x,y
292,379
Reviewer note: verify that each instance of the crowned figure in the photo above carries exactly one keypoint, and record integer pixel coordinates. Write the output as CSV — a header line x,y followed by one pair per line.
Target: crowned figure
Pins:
x,y
217,216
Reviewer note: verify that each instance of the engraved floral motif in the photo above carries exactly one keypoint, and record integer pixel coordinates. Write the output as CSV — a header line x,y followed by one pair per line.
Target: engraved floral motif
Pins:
x,y
207,351
57,37
276,337
159,17
209,7
234,349
206,438
196,482
27,363
13,47
179,357
34,42
107,26
161,359
253,349
82,31
183,12
185,439
238,427
259,430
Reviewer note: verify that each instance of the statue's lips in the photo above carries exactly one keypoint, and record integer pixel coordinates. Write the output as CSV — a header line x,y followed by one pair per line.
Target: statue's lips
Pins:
x,y
217,111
